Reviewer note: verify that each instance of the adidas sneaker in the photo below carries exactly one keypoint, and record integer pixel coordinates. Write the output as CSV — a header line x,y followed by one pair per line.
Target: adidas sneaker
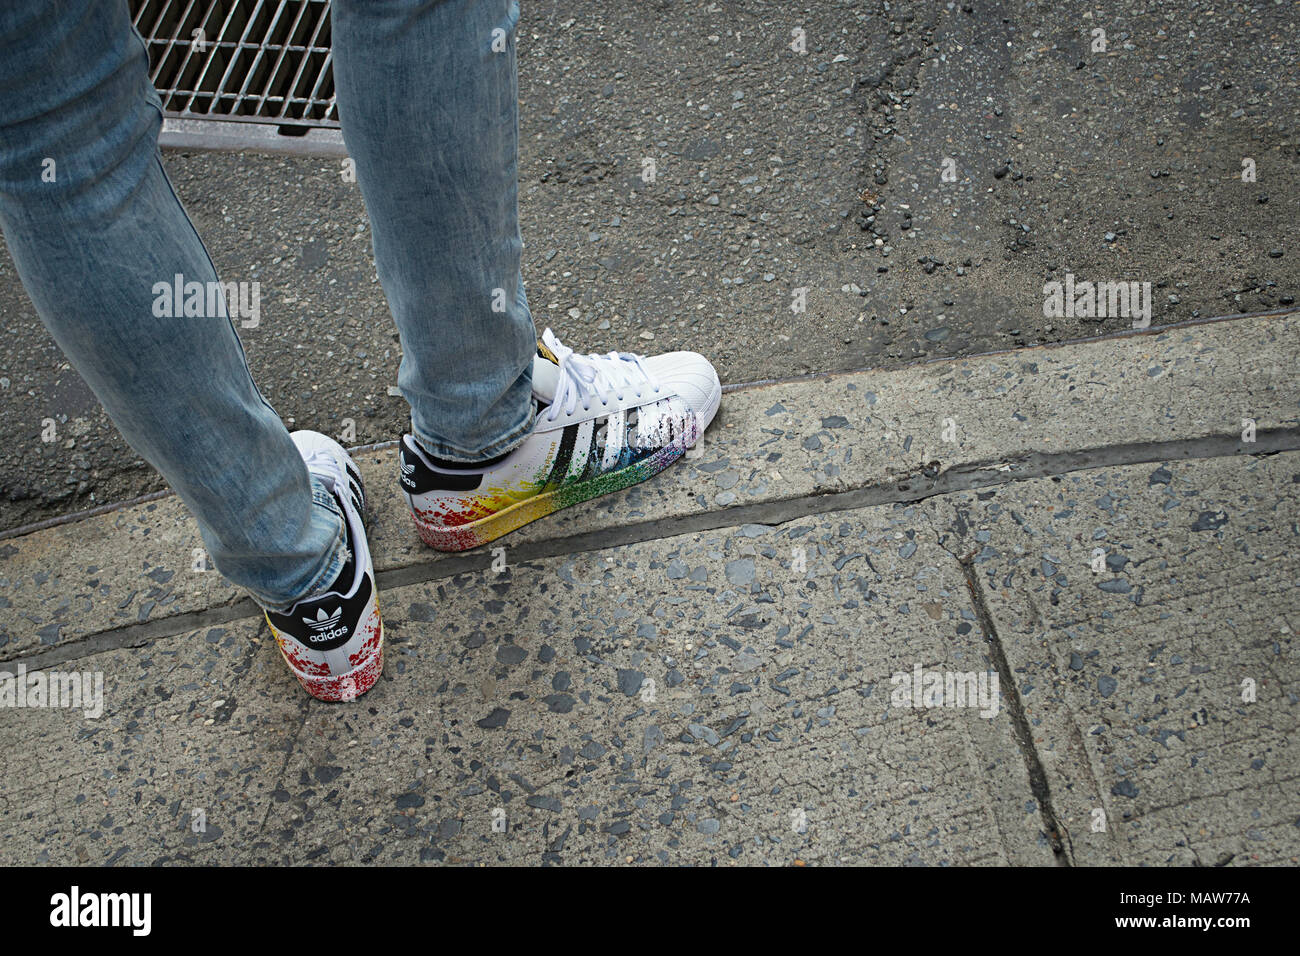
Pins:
x,y
603,422
333,640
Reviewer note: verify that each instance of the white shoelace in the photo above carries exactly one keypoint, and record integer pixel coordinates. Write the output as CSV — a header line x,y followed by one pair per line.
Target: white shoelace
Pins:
x,y
583,378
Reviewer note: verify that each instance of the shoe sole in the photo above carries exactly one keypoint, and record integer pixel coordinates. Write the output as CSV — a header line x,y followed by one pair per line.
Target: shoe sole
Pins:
x,y
336,688
477,533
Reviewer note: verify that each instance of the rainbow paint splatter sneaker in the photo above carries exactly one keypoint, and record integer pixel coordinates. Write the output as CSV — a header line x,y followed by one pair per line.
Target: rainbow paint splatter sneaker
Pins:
x,y
603,422
333,640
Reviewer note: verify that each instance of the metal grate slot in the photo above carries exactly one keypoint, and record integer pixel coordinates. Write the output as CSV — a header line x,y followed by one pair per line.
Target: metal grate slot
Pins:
x,y
264,64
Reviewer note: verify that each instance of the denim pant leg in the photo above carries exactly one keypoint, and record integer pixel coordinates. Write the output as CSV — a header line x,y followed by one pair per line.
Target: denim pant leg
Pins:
x,y
97,235
428,99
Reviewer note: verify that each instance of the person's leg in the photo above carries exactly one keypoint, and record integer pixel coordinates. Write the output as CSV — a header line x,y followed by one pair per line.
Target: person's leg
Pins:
x,y
97,235
427,96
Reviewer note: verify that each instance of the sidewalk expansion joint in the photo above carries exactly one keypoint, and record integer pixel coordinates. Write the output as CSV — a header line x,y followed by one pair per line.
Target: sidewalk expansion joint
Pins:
x,y
931,482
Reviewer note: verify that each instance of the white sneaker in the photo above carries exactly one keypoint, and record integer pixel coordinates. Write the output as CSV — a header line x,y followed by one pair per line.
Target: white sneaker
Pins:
x,y
603,422
333,641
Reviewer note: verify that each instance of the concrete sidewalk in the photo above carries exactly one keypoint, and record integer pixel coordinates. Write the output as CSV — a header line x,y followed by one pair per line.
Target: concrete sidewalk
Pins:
x,y
720,665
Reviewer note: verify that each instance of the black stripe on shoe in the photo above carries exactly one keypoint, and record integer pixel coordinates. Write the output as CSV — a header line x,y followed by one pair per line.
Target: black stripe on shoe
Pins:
x,y
563,456
355,486
595,454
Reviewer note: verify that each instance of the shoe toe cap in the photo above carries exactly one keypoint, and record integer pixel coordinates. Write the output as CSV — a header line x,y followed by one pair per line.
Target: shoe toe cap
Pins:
x,y
692,377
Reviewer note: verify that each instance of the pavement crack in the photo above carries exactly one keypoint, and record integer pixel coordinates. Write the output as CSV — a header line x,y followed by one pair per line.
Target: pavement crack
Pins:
x,y
291,748
1056,833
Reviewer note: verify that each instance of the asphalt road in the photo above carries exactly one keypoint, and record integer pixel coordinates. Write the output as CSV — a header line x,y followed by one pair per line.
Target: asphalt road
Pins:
x,y
920,170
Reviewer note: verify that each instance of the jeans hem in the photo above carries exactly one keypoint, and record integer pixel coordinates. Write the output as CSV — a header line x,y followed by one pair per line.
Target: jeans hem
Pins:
x,y
512,440
333,559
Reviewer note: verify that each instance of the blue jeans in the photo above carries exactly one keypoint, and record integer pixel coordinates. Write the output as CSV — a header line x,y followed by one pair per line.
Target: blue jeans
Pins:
x,y
427,96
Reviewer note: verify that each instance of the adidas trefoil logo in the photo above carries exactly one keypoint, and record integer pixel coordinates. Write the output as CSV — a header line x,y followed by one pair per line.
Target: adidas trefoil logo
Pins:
x,y
322,619
407,477
324,625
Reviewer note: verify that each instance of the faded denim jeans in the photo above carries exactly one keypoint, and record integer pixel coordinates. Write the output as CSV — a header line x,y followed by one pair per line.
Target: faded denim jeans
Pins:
x,y
427,96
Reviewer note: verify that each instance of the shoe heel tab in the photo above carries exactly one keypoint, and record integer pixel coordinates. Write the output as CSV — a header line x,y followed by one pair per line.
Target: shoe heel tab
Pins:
x,y
419,475
412,452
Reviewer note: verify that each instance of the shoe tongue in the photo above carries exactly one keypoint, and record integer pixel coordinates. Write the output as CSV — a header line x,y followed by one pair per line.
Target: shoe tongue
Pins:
x,y
546,369
546,379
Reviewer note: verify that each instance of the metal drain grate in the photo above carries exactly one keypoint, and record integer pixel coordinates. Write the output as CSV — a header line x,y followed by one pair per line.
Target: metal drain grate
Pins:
x,y
242,73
